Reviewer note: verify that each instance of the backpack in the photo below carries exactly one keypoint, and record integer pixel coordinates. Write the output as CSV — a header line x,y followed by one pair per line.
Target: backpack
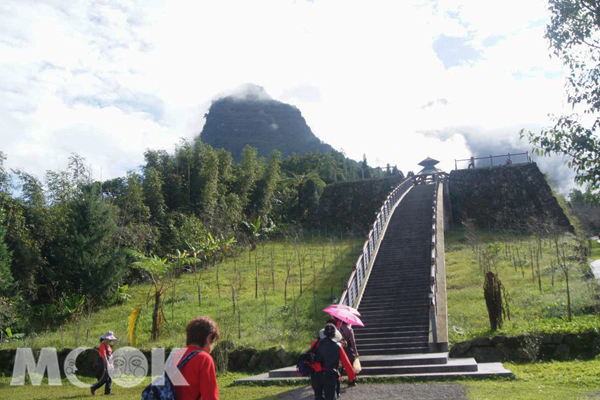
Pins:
x,y
307,363
162,388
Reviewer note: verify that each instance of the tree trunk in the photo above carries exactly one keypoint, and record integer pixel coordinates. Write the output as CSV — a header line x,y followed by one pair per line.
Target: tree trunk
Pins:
x,y
568,296
155,332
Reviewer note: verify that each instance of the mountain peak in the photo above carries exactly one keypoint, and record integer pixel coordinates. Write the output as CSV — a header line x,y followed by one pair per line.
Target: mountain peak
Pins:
x,y
246,92
247,115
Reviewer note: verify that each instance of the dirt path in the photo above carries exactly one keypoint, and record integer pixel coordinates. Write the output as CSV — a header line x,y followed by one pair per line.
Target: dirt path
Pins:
x,y
426,391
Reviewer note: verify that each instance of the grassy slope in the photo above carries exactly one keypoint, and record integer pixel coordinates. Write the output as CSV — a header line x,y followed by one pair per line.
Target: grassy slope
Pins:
x,y
530,309
333,260
468,318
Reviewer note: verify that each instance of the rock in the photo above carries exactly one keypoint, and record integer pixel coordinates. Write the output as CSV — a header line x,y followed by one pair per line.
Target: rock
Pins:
x,y
596,346
546,339
547,351
459,349
486,354
524,355
557,338
268,360
498,339
481,342
254,361
512,342
572,340
562,351
284,357
508,352
239,359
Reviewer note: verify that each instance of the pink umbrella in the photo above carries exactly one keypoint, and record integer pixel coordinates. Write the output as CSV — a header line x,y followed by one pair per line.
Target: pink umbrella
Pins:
x,y
342,307
345,315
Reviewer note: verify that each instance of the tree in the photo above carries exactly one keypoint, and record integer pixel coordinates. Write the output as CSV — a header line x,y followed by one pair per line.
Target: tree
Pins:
x,y
153,194
86,259
300,182
574,36
159,270
6,279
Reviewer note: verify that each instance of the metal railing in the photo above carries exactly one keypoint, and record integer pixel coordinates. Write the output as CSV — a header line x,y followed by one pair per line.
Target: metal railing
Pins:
x,y
439,179
364,264
506,159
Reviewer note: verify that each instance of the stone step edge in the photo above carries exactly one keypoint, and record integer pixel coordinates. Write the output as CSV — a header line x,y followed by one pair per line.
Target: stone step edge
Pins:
x,y
485,370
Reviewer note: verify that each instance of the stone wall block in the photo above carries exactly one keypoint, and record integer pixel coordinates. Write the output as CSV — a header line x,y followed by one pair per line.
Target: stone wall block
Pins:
x,y
557,338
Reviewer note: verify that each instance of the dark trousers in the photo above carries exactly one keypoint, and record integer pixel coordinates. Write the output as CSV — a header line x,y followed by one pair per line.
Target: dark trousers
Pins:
x,y
325,384
103,378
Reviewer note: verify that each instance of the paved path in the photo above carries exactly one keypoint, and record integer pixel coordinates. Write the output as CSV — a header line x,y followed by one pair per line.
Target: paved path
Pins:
x,y
426,391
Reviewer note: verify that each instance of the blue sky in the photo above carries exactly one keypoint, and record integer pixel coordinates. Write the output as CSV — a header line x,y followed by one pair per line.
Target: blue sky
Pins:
x,y
398,81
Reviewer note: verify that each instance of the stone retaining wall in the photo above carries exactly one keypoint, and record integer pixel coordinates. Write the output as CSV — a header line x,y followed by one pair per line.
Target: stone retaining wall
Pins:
x,y
525,348
501,196
226,357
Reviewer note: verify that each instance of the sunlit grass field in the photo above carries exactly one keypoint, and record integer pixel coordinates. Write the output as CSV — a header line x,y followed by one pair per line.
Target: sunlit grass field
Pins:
x,y
531,310
263,317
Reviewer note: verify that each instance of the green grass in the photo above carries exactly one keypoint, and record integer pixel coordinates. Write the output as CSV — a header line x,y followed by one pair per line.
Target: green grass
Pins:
x,y
543,381
292,324
531,310
227,391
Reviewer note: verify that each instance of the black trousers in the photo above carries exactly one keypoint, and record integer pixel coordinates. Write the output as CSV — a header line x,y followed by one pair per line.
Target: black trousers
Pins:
x,y
326,385
103,379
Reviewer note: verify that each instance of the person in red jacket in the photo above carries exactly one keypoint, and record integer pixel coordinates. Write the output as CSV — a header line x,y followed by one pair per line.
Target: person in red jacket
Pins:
x,y
329,354
199,372
104,364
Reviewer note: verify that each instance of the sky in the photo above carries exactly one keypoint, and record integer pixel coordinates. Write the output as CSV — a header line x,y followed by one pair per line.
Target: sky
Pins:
x,y
397,81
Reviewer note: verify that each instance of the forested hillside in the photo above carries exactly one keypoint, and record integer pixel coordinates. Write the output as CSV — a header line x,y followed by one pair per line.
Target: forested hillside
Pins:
x,y
68,244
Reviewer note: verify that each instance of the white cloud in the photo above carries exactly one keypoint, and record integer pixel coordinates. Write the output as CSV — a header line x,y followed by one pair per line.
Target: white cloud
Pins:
x,y
109,79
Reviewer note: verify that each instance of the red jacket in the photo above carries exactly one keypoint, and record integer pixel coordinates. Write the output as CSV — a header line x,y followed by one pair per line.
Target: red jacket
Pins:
x,y
105,351
200,375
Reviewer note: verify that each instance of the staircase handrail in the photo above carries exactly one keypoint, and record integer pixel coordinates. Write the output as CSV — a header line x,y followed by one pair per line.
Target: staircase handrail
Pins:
x,y
439,178
364,264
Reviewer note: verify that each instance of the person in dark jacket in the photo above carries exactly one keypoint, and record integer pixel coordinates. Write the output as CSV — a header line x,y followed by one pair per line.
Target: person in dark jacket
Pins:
x,y
329,354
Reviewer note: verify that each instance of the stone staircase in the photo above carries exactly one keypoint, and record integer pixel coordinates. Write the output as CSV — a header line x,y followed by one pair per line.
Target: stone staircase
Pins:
x,y
395,304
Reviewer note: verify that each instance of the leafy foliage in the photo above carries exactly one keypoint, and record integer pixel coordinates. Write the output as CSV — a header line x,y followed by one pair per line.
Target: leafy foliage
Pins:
x,y
573,34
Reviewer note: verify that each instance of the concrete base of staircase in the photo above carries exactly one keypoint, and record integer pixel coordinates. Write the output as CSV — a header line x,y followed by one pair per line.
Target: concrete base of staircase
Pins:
x,y
463,367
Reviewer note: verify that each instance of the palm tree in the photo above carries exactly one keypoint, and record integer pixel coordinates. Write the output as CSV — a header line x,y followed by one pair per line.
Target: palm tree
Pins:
x,y
159,270
299,181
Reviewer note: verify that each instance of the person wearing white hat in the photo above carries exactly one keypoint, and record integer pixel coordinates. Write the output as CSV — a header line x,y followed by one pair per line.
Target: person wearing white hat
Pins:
x,y
104,364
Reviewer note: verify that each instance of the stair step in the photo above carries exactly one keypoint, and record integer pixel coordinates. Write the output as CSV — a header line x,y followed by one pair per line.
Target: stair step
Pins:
x,y
404,359
389,335
466,365
360,342
391,328
395,350
414,341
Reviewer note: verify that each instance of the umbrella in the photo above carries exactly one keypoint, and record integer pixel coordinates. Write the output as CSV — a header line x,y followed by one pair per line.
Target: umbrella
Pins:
x,y
345,315
342,307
